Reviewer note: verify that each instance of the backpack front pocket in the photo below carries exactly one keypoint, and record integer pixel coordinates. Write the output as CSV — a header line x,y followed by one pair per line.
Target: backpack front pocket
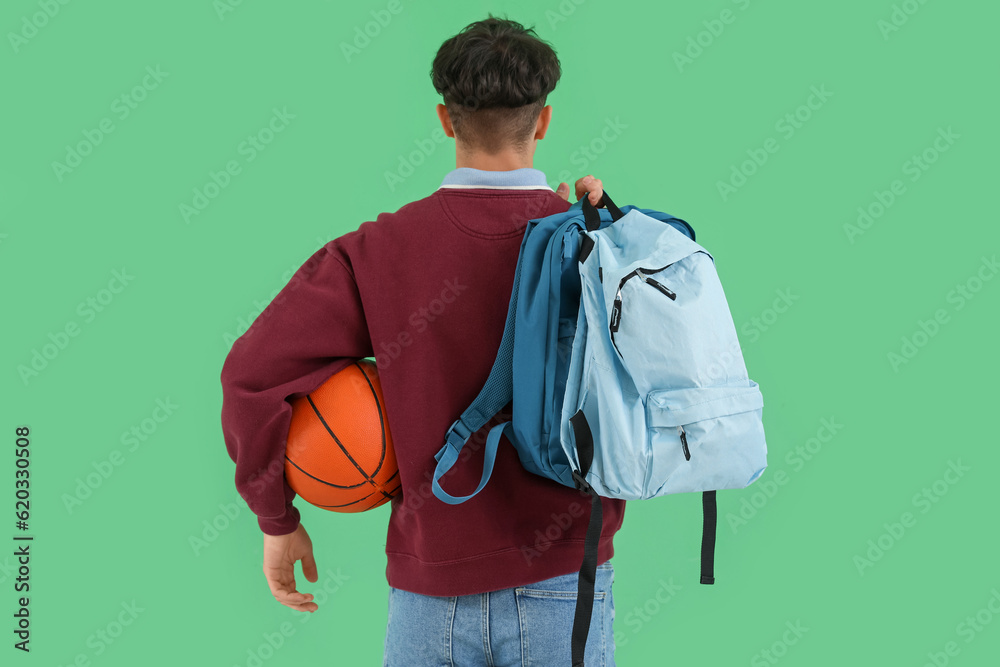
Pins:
x,y
668,323
705,438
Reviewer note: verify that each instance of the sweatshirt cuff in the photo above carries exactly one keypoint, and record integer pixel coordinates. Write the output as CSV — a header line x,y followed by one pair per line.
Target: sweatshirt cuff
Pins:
x,y
280,525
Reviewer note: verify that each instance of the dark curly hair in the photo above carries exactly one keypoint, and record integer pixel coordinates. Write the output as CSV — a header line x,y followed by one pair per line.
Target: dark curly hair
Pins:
x,y
495,76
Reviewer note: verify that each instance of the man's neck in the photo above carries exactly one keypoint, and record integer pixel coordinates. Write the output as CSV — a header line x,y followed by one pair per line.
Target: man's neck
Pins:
x,y
505,161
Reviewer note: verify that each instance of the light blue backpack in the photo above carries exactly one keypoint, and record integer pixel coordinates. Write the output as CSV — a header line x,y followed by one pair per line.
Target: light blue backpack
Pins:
x,y
626,375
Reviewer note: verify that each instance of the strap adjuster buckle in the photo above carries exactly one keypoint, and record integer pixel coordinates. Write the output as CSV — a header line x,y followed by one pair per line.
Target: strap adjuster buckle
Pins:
x,y
458,434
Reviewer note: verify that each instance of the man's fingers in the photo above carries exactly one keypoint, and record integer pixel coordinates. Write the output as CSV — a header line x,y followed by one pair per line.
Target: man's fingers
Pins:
x,y
592,185
282,585
291,598
309,606
309,567
596,192
280,554
563,191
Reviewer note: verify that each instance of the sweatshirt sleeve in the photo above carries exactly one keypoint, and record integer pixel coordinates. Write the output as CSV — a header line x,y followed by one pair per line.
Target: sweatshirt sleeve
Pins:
x,y
314,327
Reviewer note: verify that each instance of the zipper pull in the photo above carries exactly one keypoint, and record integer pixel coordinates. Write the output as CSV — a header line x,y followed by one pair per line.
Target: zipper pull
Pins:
x,y
663,288
616,312
684,443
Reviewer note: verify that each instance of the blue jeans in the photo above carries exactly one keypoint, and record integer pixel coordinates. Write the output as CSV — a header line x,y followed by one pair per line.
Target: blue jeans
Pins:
x,y
525,626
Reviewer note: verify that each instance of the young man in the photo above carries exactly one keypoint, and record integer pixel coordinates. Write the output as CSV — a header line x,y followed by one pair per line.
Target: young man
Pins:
x,y
493,580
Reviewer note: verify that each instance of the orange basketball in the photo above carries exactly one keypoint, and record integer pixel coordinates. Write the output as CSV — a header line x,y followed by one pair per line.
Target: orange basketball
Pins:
x,y
339,452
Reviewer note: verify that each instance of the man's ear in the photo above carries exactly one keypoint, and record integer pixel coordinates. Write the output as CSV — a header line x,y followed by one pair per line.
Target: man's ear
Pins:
x,y
543,122
445,119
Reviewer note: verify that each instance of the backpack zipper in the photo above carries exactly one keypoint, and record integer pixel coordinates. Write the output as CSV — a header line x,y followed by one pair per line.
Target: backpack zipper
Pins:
x,y
655,283
660,286
616,310
684,443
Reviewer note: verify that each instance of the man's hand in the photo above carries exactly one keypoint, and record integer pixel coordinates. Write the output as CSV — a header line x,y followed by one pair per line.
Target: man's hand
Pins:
x,y
585,184
280,554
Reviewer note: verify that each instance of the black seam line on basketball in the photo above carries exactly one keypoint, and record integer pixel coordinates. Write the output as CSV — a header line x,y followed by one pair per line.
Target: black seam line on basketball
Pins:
x,y
376,503
353,502
332,435
339,486
381,490
323,481
380,420
380,501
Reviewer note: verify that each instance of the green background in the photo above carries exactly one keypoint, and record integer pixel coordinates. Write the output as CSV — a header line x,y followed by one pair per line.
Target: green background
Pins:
x,y
793,559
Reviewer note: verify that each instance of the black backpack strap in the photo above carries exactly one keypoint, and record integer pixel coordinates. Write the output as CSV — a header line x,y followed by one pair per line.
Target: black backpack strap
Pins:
x,y
588,570
709,522
592,219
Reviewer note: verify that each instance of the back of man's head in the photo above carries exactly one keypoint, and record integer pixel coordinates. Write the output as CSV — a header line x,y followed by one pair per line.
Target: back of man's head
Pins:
x,y
495,76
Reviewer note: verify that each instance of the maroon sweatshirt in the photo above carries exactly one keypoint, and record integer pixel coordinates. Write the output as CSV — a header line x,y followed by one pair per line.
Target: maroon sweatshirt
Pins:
x,y
424,291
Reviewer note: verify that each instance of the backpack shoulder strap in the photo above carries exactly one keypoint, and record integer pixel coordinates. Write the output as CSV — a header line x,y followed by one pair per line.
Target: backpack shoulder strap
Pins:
x,y
495,394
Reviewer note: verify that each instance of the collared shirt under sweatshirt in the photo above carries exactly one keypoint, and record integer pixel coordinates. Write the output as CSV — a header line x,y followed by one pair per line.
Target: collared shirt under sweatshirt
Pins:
x,y
424,291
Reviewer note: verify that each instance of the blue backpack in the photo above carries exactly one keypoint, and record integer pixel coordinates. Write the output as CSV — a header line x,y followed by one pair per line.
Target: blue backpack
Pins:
x,y
626,375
